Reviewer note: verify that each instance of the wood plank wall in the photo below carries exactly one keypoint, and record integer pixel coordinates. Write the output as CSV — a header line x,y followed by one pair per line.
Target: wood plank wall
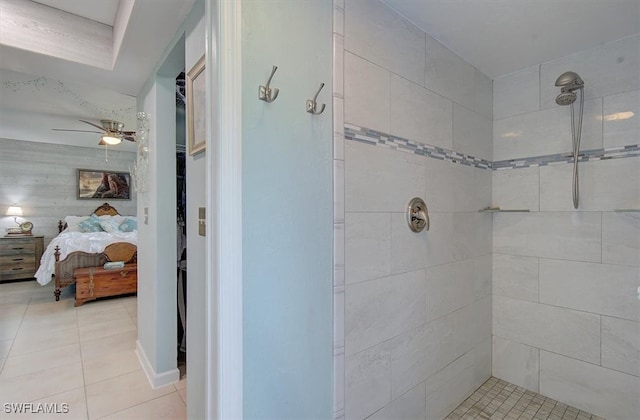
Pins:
x,y
42,179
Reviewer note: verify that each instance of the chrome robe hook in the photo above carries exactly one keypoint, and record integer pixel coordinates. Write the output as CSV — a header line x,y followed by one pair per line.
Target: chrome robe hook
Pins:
x,y
312,105
267,94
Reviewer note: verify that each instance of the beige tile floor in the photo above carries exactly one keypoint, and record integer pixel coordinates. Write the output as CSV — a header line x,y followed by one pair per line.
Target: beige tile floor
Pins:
x,y
498,400
51,352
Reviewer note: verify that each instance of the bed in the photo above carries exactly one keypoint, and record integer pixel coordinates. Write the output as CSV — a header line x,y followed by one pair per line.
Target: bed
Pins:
x,y
74,247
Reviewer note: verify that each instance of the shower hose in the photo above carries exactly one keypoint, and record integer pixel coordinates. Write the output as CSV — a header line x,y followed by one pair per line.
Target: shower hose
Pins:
x,y
575,134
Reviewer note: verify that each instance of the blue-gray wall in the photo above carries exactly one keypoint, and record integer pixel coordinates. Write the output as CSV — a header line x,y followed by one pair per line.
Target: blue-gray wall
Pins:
x,y
287,211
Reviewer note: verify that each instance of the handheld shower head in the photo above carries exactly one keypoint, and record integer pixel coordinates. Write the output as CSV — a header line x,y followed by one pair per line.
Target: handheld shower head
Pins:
x,y
569,79
566,98
569,82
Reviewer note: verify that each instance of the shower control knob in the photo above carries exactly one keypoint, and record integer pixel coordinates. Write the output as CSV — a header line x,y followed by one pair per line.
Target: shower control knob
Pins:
x,y
417,215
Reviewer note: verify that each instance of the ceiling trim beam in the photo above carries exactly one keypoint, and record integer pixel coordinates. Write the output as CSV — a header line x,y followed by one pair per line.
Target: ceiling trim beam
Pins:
x,y
45,30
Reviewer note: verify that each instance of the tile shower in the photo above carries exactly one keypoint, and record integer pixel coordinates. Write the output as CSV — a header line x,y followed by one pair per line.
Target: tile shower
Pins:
x,y
546,299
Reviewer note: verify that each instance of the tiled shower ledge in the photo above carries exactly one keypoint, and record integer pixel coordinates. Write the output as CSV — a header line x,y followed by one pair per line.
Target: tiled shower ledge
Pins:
x,y
377,138
497,400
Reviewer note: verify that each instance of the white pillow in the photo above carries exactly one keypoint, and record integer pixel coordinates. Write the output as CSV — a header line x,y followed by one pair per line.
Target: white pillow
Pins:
x,y
117,218
110,224
72,223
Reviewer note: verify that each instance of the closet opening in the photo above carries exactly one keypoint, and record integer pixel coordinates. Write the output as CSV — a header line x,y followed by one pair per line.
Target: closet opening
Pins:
x,y
181,204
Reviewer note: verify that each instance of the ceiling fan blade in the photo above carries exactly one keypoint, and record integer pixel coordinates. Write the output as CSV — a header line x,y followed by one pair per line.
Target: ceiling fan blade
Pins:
x,y
90,123
129,133
130,138
79,131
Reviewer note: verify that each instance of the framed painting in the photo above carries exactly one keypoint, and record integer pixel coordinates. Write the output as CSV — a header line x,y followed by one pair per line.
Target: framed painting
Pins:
x,y
196,108
94,183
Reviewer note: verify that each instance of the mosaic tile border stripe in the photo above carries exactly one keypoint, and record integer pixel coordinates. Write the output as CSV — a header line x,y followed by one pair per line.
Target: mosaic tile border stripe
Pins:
x,y
584,156
377,138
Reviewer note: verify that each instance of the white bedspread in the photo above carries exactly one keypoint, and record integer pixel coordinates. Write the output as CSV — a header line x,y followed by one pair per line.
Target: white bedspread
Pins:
x,y
92,242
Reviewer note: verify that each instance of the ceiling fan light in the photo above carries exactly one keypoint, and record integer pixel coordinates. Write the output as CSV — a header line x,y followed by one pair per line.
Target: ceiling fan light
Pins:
x,y
110,139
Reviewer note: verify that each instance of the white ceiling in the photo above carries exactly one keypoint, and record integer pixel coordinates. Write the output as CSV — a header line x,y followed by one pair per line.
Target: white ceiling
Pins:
x,y
103,11
502,36
39,90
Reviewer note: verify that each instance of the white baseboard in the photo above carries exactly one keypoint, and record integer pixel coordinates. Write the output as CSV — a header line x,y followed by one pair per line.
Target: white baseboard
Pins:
x,y
156,380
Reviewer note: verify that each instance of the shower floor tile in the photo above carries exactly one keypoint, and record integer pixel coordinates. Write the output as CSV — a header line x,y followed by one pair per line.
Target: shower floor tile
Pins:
x,y
500,400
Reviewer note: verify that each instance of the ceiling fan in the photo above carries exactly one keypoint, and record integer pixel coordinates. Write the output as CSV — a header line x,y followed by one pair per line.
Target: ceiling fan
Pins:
x,y
112,132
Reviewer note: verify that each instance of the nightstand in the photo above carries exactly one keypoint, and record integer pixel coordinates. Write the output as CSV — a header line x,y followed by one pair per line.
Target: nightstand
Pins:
x,y
20,256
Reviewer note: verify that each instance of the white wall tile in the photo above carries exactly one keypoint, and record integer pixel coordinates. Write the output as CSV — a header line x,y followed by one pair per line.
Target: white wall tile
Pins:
x,y
484,94
621,238
516,93
380,179
517,189
377,310
410,406
471,235
338,19
338,65
565,235
367,246
338,128
546,132
482,362
421,353
338,253
409,358
599,288
605,185
449,287
367,382
482,182
449,186
621,345
338,381
366,93
621,114
338,317
472,133
471,325
419,114
516,363
338,276
450,386
515,277
606,70
338,191
483,276
449,75
438,344
565,331
412,251
603,392
377,33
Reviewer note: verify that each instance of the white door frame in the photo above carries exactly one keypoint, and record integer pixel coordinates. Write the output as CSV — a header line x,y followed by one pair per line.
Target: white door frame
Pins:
x,y
224,216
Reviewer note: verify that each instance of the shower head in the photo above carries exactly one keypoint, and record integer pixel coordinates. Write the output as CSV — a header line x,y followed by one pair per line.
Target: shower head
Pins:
x,y
569,82
566,98
569,79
